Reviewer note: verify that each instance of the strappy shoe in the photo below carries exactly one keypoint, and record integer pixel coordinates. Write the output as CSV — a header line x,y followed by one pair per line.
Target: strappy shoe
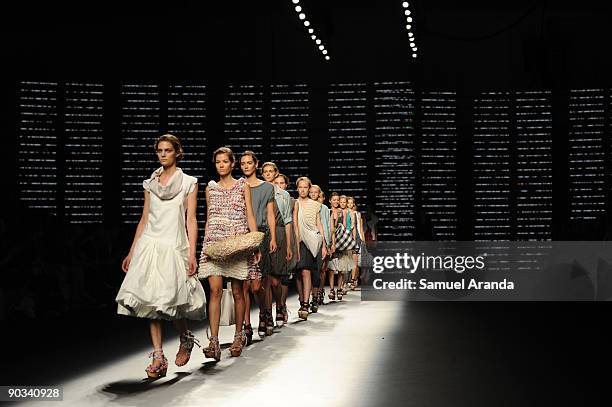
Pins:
x,y
332,294
314,306
248,332
239,343
339,294
350,285
321,298
213,350
262,328
303,311
269,323
280,315
184,353
285,314
155,372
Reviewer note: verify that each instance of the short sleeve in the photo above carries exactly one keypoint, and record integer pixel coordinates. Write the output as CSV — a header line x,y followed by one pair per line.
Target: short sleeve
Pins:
x,y
287,217
270,193
193,181
146,185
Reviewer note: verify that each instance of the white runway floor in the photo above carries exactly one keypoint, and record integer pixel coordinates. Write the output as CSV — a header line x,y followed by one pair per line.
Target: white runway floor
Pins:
x,y
333,359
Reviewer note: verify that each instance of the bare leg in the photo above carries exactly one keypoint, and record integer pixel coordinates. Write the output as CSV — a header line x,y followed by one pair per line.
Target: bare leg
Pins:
x,y
239,303
155,329
214,307
298,283
247,301
307,285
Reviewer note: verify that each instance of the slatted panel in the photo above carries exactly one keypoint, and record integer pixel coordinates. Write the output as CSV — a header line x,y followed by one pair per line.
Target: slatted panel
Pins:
x,y
438,160
244,110
38,141
289,141
348,167
492,156
83,126
187,121
140,125
586,156
394,161
534,165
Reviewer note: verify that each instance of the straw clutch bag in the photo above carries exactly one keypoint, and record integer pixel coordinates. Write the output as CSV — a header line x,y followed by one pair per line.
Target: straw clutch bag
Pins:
x,y
235,245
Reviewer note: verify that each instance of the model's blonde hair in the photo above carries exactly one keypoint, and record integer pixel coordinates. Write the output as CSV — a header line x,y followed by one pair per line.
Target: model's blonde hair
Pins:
x,y
297,183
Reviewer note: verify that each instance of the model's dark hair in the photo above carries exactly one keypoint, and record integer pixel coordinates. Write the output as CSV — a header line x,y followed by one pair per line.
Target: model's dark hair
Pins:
x,y
286,178
252,154
172,139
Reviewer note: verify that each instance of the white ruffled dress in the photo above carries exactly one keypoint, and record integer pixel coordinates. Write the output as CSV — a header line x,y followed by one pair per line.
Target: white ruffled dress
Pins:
x,y
156,285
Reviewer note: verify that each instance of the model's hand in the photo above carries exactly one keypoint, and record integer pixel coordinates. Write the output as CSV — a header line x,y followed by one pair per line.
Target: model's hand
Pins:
x,y
257,257
333,249
272,246
193,266
125,265
298,254
289,254
324,251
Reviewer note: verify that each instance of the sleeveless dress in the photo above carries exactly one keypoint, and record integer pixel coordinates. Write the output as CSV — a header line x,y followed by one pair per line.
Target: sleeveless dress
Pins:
x,y
342,261
226,218
310,237
156,285
260,196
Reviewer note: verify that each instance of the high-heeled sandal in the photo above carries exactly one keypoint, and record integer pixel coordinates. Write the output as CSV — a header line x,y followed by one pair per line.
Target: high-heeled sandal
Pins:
x,y
155,372
314,306
236,348
339,294
213,350
332,294
269,323
262,328
184,353
248,331
321,298
303,311
280,316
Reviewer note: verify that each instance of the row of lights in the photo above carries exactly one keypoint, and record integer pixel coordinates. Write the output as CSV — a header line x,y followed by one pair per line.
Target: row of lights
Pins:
x,y
302,17
411,38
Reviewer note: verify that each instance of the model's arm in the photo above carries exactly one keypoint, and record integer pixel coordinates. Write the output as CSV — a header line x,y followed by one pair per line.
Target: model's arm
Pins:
x,y
296,228
192,229
249,209
125,265
354,223
320,227
271,224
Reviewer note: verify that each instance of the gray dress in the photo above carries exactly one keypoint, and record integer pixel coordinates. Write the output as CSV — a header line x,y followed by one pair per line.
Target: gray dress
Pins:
x,y
260,196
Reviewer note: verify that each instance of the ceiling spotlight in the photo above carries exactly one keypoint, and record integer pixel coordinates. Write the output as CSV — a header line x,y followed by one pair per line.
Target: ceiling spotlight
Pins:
x,y
412,44
407,12
306,23
324,52
327,57
296,1
318,42
310,31
314,37
408,26
414,49
405,4
414,55
321,47
298,9
302,16
410,34
409,19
